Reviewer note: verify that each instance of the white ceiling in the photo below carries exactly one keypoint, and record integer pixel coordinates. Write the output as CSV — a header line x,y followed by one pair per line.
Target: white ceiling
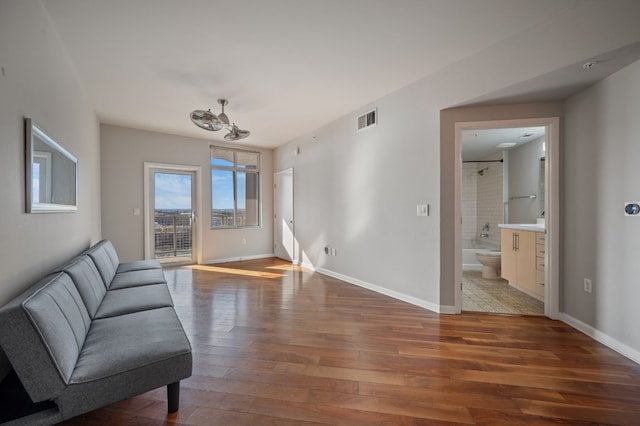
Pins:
x,y
480,144
287,67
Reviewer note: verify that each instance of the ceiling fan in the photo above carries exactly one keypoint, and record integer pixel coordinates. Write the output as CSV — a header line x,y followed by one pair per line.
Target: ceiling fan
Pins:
x,y
209,121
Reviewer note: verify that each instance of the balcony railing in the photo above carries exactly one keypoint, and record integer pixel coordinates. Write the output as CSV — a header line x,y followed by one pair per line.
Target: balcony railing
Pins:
x,y
173,236
221,218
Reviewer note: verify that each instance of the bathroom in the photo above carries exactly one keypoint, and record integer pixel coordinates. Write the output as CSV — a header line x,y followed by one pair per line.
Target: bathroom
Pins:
x,y
502,183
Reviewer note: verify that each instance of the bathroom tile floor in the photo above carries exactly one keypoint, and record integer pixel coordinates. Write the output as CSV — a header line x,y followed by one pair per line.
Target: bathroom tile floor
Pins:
x,y
496,296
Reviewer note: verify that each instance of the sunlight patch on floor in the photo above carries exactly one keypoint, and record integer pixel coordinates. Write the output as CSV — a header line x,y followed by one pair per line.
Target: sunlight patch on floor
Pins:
x,y
235,271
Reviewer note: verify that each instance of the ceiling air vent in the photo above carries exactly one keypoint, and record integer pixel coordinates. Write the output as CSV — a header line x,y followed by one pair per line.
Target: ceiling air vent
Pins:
x,y
368,119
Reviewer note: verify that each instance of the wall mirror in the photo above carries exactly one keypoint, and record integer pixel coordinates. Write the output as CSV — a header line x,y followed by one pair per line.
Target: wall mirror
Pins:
x,y
51,173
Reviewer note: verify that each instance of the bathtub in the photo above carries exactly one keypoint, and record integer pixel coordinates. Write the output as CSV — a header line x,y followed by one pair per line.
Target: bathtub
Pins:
x,y
469,261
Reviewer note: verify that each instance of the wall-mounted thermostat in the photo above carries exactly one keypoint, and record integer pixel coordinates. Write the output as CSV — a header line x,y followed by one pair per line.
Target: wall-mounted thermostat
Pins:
x,y
631,208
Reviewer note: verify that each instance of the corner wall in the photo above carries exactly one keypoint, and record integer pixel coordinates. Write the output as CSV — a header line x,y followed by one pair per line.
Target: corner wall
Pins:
x,y
357,192
38,81
601,157
124,152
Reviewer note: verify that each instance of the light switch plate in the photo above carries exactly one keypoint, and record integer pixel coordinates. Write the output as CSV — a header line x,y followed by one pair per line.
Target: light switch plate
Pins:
x,y
423,209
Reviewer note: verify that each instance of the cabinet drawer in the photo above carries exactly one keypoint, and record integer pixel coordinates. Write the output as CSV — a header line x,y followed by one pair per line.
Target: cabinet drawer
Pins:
x,y
540,264
540,238
540,250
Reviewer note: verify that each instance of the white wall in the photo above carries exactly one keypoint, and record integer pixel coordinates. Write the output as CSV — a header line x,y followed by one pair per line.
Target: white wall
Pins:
x,y
123,154
38,81
601,163
358,192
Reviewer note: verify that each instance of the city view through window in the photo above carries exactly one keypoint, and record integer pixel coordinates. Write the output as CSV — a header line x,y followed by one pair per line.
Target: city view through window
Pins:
x,y
173,219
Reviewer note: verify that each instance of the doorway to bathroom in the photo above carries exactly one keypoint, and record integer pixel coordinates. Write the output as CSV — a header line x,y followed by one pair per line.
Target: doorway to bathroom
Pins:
x,y
503,189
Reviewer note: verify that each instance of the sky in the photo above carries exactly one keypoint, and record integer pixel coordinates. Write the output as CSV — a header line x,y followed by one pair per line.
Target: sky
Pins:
x,y
172,191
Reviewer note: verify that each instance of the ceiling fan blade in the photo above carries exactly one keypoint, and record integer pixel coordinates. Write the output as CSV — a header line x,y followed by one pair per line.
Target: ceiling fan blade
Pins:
x,y
236,134
206,120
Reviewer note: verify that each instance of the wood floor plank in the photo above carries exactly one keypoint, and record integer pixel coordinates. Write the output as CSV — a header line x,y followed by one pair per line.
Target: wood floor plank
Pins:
x,y
281,391
429,408
488,396
276,344
578,412
326,414
212,416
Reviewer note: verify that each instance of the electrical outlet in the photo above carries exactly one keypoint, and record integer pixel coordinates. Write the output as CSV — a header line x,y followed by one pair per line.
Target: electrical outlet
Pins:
x,y
244,241
423,210
587,285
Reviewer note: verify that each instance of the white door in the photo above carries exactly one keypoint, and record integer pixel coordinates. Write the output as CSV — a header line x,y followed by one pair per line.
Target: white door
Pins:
x,y
170,231
284,242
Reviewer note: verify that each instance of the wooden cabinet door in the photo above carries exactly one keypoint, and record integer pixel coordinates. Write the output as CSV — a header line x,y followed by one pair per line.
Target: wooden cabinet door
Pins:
x,y
509,259
526,248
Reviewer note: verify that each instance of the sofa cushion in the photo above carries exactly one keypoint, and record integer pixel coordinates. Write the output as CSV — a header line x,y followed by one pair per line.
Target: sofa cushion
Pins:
x,y
106,259
137,278
59,315
119,344
134,299
43,346
89,283
139,265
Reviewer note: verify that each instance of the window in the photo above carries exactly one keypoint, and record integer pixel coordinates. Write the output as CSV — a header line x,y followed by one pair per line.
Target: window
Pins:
x,y
235,188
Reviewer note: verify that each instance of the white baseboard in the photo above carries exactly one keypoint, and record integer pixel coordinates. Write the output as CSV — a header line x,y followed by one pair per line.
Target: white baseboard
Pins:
x,y
391,293
601,337
307,266
237,259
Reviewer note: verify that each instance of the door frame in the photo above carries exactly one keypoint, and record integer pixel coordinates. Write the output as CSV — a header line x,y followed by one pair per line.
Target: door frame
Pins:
x,y
277,192
552,206
196,255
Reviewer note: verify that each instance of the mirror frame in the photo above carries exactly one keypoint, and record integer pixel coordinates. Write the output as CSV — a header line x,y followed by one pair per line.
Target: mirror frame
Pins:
x,y
34,132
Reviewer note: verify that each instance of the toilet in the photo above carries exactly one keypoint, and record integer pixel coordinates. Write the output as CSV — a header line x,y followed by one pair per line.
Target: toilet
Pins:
x,y
490,261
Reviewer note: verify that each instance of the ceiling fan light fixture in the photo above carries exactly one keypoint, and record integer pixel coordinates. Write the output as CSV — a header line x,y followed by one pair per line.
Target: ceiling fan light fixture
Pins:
x,y
208,121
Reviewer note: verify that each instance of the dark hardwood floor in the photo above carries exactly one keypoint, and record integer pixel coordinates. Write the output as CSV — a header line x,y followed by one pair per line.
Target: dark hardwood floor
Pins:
x,y
274,344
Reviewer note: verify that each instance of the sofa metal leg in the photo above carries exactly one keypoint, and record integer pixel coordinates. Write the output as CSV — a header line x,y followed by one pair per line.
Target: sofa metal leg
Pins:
x,y
173,396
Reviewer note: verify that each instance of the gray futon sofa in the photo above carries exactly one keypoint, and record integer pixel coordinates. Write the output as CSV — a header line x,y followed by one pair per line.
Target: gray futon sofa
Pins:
x,y
94,332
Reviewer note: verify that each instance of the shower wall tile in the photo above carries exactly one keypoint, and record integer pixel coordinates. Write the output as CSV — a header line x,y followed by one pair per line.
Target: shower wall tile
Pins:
x,y
469,203
489,205
481,203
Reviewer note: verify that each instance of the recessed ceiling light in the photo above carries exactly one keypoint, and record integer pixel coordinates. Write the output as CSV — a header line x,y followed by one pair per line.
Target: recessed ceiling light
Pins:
x,y
506,145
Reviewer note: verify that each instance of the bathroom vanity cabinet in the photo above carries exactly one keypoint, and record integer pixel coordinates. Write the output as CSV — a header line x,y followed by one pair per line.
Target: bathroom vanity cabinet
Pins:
x,y
520,261
540,264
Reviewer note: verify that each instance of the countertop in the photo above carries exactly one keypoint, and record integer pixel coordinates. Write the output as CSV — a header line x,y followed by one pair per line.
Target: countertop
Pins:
x,y
523,226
